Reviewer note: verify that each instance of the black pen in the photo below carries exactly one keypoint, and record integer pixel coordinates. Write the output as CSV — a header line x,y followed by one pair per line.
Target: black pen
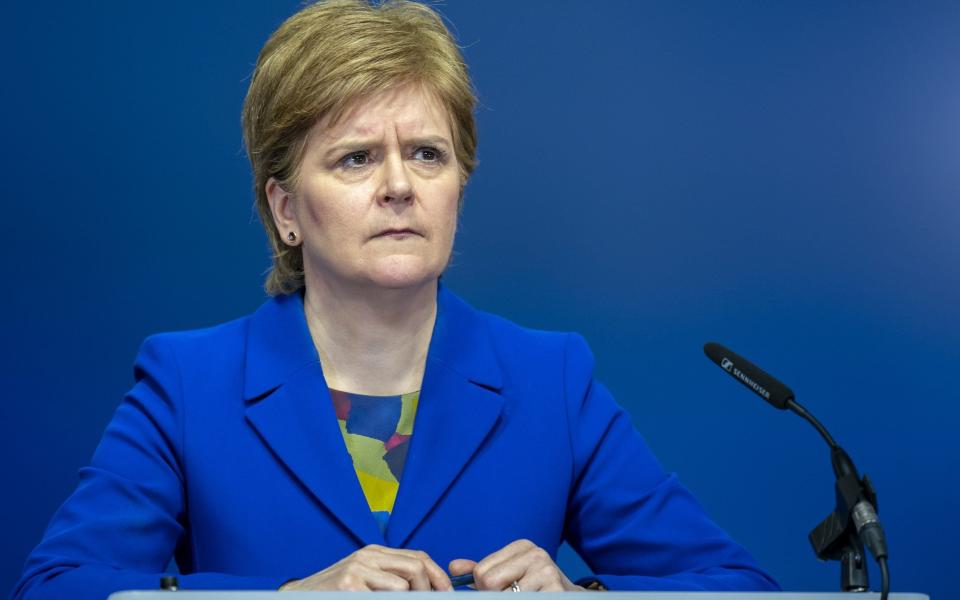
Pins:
x,y
462,580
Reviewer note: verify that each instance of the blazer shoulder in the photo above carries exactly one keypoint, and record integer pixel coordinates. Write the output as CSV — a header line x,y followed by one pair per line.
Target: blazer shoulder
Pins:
x,y
508,331
518,344
203,339
207,348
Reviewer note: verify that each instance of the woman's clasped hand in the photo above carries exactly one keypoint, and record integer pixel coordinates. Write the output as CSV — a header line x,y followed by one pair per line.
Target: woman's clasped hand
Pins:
x,y
518,566
521,565
377,567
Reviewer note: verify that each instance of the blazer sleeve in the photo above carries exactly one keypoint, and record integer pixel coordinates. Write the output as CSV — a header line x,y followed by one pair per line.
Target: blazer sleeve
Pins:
x,y
120,527
634,525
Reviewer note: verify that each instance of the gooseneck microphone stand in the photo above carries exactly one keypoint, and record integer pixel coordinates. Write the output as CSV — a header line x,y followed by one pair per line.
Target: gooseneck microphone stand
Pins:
x,y
842,534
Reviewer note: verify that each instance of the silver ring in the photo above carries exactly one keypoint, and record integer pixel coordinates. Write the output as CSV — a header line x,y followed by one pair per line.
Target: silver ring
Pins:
x,y
515,587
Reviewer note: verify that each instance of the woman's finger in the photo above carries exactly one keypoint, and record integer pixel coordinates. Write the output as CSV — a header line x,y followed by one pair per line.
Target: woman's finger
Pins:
x,y
503,554
542,578
409,568
461,566
375,579
499,570
416,566
504,574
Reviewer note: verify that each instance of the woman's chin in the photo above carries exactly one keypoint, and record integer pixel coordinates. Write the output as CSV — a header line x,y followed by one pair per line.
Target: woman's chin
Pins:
x,y
404,272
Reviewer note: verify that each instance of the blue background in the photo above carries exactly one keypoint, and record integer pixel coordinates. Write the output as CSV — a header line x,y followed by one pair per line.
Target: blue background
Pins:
x,y
781,177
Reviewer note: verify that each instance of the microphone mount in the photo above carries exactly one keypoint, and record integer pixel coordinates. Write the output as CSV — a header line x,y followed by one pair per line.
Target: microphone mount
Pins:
x,y
837,536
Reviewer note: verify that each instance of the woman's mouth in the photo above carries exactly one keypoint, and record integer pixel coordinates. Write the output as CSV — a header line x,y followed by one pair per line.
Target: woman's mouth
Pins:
x,y
397,233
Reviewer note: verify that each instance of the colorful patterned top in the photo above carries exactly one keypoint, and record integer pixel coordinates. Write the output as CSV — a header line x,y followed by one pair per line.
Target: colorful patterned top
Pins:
x,y
377,430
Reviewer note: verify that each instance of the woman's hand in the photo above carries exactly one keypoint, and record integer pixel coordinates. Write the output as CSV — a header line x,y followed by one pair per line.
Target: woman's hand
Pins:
x,y
521,562
377,568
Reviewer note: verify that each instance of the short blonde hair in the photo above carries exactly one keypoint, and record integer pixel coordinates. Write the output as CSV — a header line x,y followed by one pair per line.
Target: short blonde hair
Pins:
x,y
325,58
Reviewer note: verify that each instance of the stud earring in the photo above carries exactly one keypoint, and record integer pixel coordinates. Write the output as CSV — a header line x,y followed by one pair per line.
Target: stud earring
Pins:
x,y
292,236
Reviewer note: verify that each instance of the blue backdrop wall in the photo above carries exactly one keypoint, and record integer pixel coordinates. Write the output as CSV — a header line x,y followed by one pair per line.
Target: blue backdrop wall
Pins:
x,y
782,177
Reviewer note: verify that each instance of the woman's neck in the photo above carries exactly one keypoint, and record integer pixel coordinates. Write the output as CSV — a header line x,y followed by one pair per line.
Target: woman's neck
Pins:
x,y
372,342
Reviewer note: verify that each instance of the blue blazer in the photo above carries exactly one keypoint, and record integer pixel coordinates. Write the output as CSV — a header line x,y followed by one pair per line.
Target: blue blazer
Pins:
x,y
226,455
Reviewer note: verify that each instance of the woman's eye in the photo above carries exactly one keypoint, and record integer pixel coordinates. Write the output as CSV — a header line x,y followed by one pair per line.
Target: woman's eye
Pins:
x,y
355,159
430,155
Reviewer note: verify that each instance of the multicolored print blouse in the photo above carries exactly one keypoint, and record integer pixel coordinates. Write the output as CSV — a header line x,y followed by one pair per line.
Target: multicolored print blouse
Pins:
x,y
377,430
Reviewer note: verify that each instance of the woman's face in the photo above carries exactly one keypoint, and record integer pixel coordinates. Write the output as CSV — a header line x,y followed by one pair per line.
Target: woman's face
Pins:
x,y
377,197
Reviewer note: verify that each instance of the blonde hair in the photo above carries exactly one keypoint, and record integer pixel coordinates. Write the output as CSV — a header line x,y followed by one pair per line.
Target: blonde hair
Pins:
x,y
325,58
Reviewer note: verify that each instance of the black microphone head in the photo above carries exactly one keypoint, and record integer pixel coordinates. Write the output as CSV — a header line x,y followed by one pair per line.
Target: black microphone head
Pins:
x,y
750,375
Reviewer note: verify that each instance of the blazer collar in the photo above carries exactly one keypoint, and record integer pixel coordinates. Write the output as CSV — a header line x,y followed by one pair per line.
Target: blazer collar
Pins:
x,y
279,343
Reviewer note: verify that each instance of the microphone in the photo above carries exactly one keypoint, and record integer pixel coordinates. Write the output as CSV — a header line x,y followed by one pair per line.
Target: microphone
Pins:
x,y
750,375
856,498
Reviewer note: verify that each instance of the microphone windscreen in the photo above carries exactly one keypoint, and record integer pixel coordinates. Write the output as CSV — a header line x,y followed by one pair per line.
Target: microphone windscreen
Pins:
x,y
749,374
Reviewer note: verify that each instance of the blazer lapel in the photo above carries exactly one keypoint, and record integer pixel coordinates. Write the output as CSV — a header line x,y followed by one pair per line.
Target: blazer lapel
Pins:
x,y
289,406
458,409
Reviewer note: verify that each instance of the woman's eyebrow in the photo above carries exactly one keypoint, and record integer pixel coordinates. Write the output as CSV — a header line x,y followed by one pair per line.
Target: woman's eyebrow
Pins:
x,y
350,145
430,140
354,144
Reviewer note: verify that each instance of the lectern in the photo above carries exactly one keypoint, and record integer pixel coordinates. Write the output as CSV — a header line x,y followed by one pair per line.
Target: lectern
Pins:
x,y
183,595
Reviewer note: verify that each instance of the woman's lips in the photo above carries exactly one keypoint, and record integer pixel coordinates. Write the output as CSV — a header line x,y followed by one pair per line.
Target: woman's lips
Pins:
x,y
397,233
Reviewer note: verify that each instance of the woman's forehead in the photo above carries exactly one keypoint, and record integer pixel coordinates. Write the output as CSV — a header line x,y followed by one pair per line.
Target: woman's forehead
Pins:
x,y
411,110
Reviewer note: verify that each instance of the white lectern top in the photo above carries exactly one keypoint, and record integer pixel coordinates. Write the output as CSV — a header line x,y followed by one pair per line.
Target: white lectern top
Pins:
x,y
184,595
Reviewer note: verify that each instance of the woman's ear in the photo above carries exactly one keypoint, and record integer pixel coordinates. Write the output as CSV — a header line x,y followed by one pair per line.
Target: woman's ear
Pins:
x,y
283,211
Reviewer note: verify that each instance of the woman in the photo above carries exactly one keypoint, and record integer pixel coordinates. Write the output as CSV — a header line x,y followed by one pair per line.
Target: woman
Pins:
x,y
269,452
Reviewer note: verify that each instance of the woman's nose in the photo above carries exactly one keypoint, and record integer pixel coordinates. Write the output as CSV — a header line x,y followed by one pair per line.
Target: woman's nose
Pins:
x,y
396,180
